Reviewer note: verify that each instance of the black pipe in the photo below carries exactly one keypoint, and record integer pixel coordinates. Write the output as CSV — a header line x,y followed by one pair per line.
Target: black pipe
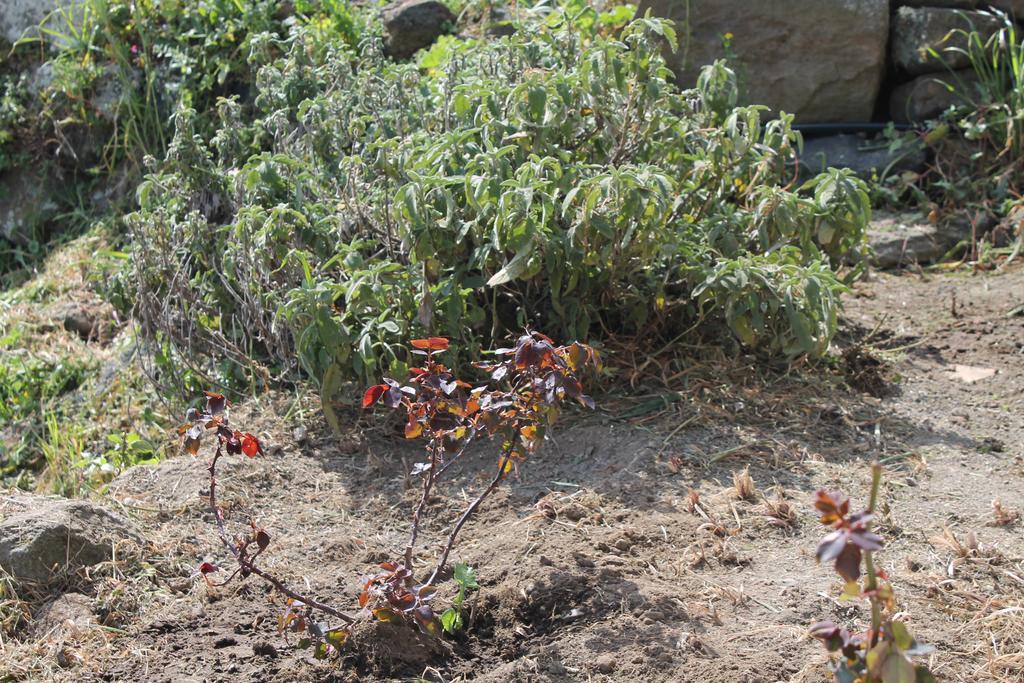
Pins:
x,y
855,127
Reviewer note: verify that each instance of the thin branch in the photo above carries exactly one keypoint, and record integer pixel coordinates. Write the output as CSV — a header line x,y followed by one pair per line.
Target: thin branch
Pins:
x,y
869,563
502,465
417,515
245,563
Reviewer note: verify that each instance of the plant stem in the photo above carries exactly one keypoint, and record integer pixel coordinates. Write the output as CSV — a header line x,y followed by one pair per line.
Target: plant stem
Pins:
x,y
245,563
506,456
428,484
869,563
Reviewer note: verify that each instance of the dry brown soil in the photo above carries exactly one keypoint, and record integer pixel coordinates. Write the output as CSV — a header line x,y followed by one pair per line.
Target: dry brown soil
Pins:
x,y
593,564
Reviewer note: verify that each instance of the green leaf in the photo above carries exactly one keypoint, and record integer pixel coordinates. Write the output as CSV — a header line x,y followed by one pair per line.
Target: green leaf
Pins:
x,y
898,669
465,576
451,620
514,268
336,637
901,635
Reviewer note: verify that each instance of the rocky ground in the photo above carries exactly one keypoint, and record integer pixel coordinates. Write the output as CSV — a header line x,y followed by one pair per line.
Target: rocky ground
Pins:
x,y
599,562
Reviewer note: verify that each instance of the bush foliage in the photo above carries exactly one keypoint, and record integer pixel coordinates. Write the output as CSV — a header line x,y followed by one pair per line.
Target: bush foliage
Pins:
x,y
557,177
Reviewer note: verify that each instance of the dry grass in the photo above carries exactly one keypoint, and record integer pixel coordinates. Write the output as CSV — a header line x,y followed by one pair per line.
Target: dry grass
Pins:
x,y
780,512
1003,516
743,485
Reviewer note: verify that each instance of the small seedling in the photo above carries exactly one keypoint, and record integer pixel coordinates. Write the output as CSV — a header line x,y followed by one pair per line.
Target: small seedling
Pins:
x,y
883,652
451,618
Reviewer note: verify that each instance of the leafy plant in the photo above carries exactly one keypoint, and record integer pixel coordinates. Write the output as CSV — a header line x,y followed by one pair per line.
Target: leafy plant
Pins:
x,y
525,389
465,578
883,652
556,178
977,143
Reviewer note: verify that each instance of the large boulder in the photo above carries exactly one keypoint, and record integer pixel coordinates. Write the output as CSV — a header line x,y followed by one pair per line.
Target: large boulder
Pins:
x,y
43,538
21,18
927,96
822,60
412,25
917,31
901,239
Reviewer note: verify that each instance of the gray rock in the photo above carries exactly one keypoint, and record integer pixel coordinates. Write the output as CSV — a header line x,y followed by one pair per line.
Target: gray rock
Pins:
x,y
48,537
81,321
864,157
927,96
21,18
26,204
905,239
91,322
415,24
821,60
69,613
917,30
41,79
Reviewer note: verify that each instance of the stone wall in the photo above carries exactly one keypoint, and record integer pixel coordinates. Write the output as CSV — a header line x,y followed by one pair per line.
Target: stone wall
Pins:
x,y
832,61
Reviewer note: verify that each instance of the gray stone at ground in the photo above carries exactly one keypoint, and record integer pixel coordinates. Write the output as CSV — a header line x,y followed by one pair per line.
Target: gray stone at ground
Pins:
x,y
42,537
864,157
821,60
26,204
66,614
415,24
927,96
906,239
916,31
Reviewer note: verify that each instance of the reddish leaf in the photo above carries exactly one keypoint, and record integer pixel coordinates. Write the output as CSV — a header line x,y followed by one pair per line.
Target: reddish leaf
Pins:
x,y
215,403
413,429
393,397
250,445
431,343
192,445
425,619
262,539
208,567
866,540
834,637
831,546
373,394
832,506
848,563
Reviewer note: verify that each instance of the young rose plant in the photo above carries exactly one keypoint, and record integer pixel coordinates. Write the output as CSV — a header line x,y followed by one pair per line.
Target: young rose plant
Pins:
x,y
883,652
526,387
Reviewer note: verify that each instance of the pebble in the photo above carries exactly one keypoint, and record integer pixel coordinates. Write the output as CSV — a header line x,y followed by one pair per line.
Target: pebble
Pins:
x,y
606,664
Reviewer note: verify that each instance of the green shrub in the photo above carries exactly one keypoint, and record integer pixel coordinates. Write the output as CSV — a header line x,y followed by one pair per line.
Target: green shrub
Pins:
x,y
978,144
149,56
556,178
30,386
